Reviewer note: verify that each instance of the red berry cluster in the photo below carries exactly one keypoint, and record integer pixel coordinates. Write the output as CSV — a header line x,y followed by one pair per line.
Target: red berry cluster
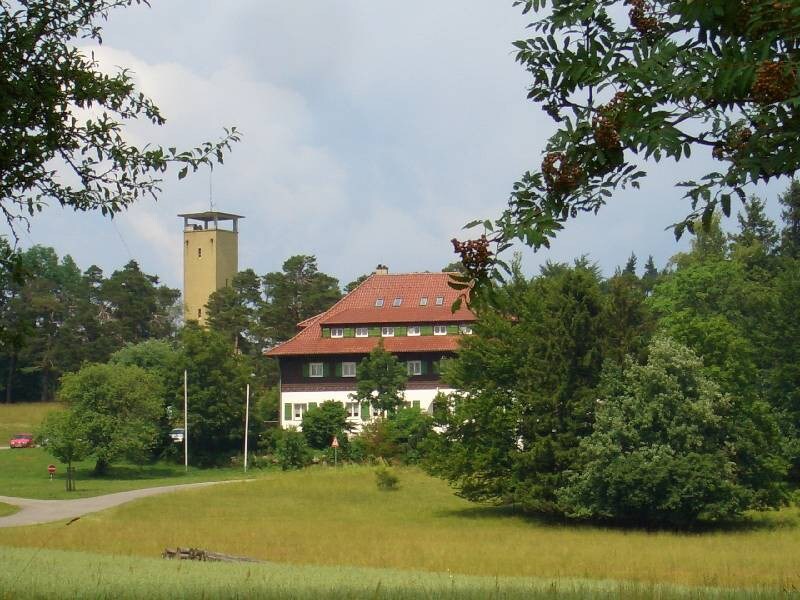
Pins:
x,y
775,81
643,17
606,123
736,142
475,256
560,175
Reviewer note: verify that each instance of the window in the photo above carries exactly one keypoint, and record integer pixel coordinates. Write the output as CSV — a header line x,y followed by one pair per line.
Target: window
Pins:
x,y
414,367
337,332
387,331
362,331
413,330
349,370
315,370
465,329
379,302
199,253
440,330
439,300
199,312
353,409
397,302
299,411
423,301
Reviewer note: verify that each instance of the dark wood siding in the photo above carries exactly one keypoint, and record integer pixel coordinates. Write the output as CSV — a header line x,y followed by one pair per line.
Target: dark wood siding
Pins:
x,y
292,367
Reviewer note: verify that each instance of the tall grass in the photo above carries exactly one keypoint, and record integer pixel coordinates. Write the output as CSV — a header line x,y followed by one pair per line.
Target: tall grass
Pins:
x,y
23,418
338,517
58,574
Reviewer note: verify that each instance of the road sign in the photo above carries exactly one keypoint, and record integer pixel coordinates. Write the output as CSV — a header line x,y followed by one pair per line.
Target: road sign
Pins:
x,y
52,470
335,442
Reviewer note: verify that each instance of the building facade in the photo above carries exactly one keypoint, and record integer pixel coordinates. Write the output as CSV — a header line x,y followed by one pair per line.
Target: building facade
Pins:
x,y
409,312
210,259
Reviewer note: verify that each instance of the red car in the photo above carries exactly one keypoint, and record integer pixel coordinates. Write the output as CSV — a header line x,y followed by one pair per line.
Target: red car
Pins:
x,y
22,440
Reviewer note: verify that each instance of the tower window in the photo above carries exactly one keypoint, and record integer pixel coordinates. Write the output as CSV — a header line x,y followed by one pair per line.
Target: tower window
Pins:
x,y
199,252
199,312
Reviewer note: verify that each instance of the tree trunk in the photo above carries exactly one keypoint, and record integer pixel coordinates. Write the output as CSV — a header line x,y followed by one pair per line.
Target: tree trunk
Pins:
x,y
101,466
12,366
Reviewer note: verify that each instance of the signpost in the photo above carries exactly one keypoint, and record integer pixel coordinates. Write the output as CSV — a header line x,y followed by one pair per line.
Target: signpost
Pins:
x,y
335,446
185,420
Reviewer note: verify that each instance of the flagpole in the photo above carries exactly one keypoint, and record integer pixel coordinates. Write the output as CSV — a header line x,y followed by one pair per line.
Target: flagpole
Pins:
x,y
246,424
185,421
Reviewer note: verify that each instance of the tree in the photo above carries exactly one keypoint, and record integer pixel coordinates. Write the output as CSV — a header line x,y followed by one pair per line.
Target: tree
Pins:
x,y
664,449
790,235
49,132
355,283
321,423
627,80
650,275
630,265
233,310
66,440
294,294
118,409
380,380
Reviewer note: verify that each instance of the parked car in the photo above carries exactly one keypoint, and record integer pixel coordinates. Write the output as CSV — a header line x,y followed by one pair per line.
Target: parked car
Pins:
x,y
177,434
22,440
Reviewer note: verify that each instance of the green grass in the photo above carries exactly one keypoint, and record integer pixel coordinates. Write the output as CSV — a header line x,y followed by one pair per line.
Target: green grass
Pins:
x,y
23,473
337,518
22,418
58,574
7,509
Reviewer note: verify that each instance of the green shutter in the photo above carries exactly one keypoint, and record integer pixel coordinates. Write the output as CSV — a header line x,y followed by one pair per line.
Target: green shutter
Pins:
x,y
415,404
312,405
287,412
452,329
326,370
426,330
424,366
326,332
338,369
305,370
365,411
401,330
374,332
349,332
436,367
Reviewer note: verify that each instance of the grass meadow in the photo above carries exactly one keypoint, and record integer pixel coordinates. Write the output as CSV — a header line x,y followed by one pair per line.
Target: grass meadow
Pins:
x,y
337,518
22,418
7,509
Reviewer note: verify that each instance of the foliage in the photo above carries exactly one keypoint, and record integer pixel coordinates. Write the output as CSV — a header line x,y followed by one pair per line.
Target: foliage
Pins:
x,y
380,380
294,294
217,381
664,449
118,409
627,80
790,236
65,436
63,118
232,310
386,479
402,436
321,423
292,450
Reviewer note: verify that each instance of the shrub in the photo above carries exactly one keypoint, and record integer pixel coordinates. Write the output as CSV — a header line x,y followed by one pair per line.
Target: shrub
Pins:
x,y
323,422
386,479
292,451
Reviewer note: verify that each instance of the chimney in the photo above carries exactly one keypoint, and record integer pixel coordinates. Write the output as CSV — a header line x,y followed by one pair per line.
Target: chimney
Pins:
x,y
381,270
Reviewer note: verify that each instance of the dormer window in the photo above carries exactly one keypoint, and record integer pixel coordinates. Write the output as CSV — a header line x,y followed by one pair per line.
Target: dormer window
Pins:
x,y
465,329
337,332
397,302
440,330
362,332
423,301
413,330
439,300
379,302
387,331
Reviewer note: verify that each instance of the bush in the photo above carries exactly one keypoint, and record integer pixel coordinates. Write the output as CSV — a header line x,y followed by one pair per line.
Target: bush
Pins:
x,y
292,451
669,448
323,422
400,436
386,479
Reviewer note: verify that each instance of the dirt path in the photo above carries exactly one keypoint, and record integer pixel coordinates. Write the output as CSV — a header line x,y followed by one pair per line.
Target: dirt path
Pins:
x,y
33,512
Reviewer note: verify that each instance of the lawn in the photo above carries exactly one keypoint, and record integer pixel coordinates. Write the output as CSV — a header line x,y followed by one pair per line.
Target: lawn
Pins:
x,y
7,509
22,418
338,518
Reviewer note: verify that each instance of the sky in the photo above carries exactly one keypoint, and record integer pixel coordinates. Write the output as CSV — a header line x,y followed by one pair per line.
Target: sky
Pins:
x,y
372,132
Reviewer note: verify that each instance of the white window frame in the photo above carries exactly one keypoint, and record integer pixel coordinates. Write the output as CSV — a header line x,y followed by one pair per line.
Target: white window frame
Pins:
x,y
423,301
397,301
413,330
440,330
414,367
348,369
316,369
298,410
379,302
362,331
387,331
337,332
439,300
465,329
353,409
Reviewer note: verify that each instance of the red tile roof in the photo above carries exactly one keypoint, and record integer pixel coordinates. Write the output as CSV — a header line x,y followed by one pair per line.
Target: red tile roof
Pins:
x,y
358,308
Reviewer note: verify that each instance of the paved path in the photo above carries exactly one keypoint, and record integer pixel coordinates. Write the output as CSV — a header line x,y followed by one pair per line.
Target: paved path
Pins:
x,y
33,512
